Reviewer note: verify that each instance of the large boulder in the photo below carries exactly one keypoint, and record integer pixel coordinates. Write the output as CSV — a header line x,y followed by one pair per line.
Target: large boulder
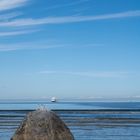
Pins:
x,y
42,125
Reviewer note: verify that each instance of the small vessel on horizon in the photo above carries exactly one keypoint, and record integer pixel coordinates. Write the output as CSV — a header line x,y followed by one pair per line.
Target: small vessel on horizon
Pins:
x,y
53,99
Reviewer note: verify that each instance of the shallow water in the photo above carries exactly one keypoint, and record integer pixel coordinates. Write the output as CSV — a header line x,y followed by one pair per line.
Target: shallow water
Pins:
x,y
86,120
21,104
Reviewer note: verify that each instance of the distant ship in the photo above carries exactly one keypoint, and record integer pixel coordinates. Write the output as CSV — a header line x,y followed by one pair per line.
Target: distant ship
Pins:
x,y
53,99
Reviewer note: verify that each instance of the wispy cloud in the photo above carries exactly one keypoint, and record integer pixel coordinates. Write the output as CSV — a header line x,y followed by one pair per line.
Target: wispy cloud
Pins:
x,y
69,19
6,17
10,4
14,33
33,45
91,74
67,4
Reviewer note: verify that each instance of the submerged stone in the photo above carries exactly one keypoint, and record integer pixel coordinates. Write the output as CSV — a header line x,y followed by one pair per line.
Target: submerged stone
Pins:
x,y
42,125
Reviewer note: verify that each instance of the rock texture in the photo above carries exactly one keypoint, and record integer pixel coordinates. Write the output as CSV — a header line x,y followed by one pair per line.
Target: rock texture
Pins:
x,y
42,125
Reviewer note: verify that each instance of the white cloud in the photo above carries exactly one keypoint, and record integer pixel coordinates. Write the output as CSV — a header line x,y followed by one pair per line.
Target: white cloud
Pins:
x,y
5,17
47,44
91,74
67,4
14,33
30,45
68,19
137,96
10,4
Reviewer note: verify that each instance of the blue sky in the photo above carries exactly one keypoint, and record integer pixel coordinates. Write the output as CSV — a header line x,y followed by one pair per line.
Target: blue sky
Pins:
x,y
69,49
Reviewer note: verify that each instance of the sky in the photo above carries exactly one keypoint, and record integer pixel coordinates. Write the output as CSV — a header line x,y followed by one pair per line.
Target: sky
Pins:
x,y
69,49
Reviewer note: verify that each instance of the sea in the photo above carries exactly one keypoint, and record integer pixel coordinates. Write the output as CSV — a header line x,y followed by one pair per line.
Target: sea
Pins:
x,y
87,120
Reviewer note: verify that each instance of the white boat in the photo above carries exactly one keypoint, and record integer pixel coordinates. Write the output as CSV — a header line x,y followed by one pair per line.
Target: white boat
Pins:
x,y
53,99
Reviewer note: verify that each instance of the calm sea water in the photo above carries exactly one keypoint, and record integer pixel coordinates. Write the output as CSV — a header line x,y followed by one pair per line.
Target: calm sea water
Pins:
x,y
62,104
87,120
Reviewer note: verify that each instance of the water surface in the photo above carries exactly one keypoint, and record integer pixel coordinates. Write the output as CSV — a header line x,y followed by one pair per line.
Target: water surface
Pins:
x,y
86,120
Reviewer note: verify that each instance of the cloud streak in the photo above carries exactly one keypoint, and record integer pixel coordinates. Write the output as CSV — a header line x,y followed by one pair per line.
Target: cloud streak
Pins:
x,y
10,4
48,44
14,33
67,4
90,74
30,45
6,17
68,19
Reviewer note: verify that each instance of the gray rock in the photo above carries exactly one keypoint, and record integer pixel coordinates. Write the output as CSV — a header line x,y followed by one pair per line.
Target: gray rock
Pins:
x,y
42,125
